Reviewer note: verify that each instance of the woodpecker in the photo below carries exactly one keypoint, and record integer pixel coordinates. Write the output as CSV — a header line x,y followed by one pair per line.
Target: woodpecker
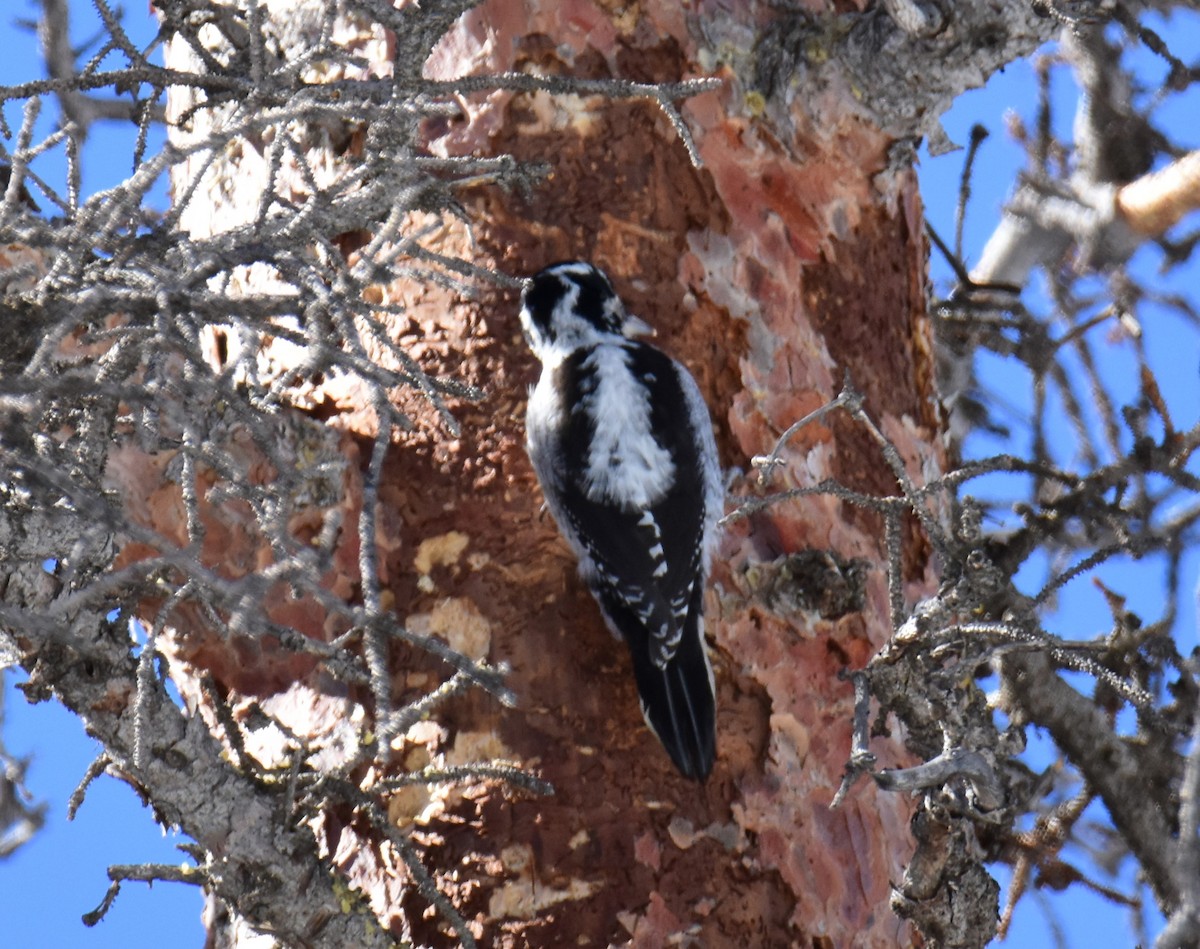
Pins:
x,y
622,444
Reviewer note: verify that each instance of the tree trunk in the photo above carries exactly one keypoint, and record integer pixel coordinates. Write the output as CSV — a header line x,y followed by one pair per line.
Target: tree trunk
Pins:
x,y
789,258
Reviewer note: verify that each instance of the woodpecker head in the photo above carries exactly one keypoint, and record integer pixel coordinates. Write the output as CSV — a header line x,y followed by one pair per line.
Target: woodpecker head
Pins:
x,y
570,305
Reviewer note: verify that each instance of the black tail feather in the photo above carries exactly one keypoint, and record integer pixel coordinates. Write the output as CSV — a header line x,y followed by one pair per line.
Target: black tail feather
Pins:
x,y
678,701
679,705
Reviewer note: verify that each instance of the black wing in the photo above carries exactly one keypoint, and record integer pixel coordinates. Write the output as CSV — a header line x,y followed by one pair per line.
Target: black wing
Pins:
x,y
651,556
645,564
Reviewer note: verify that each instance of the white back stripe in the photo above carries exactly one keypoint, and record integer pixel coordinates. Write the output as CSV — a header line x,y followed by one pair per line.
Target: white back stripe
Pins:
x,y
626,464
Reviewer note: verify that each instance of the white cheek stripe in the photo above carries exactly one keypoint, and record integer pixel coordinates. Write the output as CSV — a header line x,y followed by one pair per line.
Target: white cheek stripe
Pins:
x,y
625,464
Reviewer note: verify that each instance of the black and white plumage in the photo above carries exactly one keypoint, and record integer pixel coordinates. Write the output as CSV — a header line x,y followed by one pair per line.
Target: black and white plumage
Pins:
x,y
622,444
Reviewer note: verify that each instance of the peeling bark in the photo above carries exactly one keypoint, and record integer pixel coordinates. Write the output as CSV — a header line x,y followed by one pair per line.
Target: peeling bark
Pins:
x,y
792,258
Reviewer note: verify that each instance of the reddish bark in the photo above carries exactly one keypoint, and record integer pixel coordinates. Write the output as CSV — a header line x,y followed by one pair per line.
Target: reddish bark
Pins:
x,y
793,256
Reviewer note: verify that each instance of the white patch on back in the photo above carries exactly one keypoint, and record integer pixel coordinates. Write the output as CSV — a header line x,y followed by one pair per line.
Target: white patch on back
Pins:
x,y
626,464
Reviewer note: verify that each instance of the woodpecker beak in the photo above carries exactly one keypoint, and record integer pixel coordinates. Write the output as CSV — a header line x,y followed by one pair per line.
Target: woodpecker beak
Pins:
x,y
636,327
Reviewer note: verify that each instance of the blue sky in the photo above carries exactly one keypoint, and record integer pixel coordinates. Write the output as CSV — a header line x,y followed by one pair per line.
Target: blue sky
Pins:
x,y
1173,349
50,882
